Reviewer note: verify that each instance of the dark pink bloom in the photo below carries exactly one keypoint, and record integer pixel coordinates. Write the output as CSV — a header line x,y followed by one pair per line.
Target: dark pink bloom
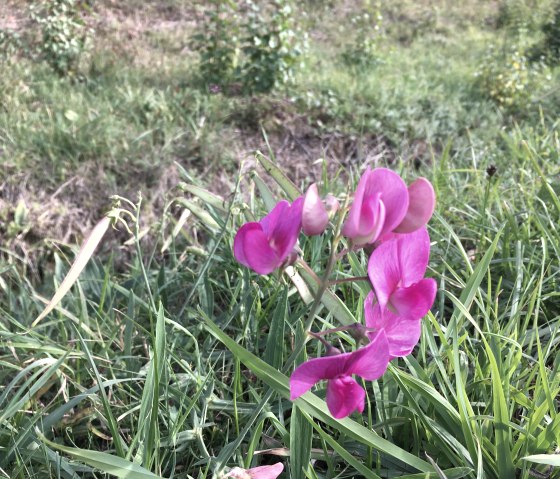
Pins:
x,y
261,472
265,245
344,394
314,218
402,333
379,206
421,204
396,270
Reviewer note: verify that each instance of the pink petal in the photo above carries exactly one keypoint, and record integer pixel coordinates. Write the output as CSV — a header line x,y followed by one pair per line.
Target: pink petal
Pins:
x,y
415,301
270,221
394,195
344,396
402,334
414,254
286,232
239,242
314,216
332,205
315,370
266,472
422,201
370,362
384,271
259,255
366,215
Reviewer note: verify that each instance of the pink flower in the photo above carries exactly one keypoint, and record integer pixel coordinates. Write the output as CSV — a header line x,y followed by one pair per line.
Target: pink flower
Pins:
x,y
261,472
344,394
380,204
265,245
314,218
396,270
402,333
421,204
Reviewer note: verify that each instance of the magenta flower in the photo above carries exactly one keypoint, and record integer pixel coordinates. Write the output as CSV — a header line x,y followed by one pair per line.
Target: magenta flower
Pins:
x,y
261,472
402,333
314,218
380,204
396,270
344,394
421,204
265,245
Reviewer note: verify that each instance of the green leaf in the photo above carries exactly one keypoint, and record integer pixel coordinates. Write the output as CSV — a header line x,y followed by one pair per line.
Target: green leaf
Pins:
x,y
107,463
283,181
550,459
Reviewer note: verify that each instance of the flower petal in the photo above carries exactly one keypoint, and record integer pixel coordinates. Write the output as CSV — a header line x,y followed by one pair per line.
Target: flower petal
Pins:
x,y
257,252
239,242
314,217
384,271
311,372
413,254
415,301
370,362
402,334
394,195
344,396
422,201
266,472
270,221
285,234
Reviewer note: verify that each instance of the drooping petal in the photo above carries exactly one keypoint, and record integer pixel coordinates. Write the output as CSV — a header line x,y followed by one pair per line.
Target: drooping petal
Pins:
x,y
414,254
370,362
266,472
384,271
239,242
415,301
259,255
285,234
402,334
422,201
394,195
311,372
344,396
331,204
270,221
314,217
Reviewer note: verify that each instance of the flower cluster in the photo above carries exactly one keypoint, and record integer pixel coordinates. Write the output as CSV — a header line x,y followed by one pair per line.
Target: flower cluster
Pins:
x,y
387,216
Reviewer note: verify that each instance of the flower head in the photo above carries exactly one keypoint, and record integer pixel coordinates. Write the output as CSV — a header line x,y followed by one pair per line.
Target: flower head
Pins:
x,y
265,245
261,472
379,206
344,394
396,270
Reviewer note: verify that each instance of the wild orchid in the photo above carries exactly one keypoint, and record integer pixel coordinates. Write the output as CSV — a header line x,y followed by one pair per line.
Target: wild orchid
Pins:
x,y
344,394
266,245
389,217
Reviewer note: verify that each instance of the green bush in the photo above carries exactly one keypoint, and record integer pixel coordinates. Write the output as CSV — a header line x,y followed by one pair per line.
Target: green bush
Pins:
x,y
509,78
253,45
64,34
551,43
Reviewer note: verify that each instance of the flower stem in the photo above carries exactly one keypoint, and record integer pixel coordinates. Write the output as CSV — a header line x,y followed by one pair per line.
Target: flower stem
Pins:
x,y
349,280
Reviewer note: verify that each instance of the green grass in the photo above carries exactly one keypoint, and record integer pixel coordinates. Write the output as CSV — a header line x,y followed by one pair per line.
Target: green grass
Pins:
x,y
168,358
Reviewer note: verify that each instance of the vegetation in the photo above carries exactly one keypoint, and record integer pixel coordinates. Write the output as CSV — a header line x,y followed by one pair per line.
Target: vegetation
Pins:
x,y
168,358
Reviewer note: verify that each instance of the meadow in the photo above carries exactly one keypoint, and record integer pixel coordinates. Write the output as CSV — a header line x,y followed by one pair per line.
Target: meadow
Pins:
x,y
167,357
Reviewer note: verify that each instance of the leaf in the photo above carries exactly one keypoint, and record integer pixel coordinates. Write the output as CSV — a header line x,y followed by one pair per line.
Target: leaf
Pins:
x,y
283,181
84,255
207,197
550,459
107,463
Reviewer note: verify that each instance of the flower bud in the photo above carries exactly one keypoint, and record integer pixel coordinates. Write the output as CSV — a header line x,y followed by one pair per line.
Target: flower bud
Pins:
x,y
315,218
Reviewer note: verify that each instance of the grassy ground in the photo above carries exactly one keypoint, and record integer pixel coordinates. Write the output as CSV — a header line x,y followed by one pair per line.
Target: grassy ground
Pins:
x,y
152,320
